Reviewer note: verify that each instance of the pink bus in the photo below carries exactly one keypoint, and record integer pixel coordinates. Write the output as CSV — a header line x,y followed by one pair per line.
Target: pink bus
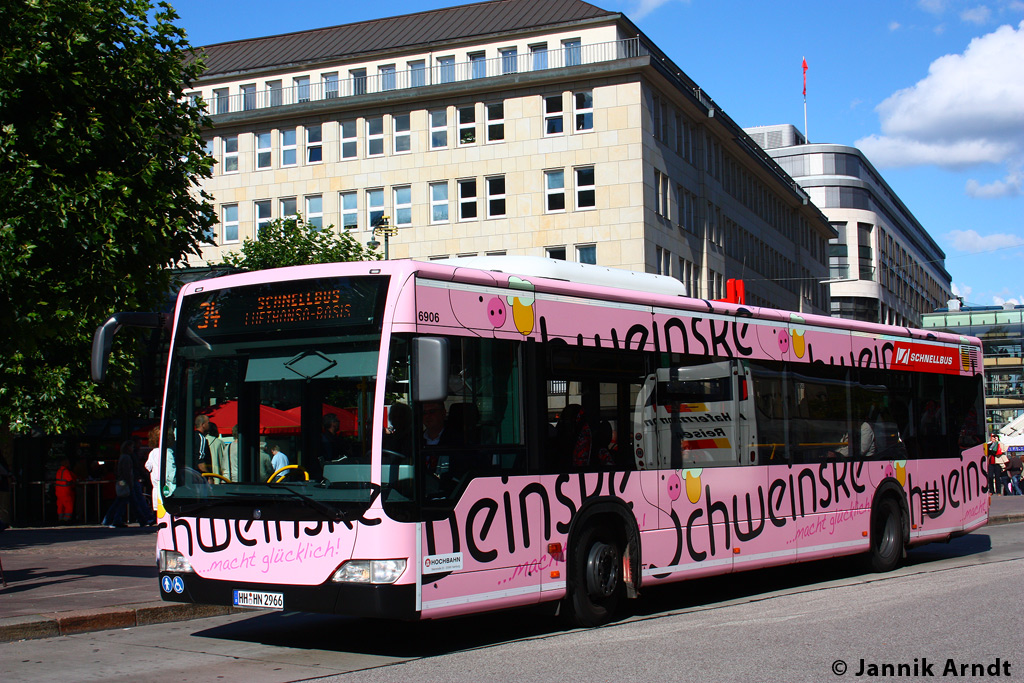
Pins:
x,y
420,440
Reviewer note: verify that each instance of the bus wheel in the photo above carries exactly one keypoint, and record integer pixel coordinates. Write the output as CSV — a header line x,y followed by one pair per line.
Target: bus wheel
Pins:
x,y
596,586
886,536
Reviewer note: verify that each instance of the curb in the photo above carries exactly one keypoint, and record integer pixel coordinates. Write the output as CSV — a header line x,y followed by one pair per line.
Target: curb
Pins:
x,y
102,619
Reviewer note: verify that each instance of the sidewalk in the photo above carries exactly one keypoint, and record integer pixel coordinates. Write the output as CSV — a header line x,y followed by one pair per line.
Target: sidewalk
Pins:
x,y
77,579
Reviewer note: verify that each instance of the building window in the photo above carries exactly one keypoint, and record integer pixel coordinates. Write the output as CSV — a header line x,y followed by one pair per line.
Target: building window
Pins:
x,y
584,102
496,196
221,101
586,197
289,208
403,137
557,253
314,145
509,61
403,205
275,93
330,82
288,147
467,200
587,253
348,139
358,78
690,276
446,69
477,65
439,202
349,211
417,73
248,96
661,194
387,77
302,89
231,223
439,129
496,122
539,56
553,115
865,253
375,136
263,151
554,184
467,125
315,211
231,154
374,207
715,282
571,50
664,257
263,210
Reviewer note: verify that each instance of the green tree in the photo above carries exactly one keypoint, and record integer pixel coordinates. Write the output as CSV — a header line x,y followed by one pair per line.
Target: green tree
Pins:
x,y
293,242
100,158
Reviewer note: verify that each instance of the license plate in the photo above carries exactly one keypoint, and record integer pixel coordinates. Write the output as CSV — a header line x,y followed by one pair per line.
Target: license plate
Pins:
x,y
258,600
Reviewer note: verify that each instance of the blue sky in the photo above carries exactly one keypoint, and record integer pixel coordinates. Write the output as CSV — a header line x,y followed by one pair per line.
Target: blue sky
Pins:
x,y
932,91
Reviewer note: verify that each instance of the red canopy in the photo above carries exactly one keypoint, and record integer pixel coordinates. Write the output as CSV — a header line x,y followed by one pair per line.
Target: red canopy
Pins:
x,y
272,420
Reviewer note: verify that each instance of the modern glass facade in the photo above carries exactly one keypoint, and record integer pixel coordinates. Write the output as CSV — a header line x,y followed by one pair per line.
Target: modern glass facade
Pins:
x,y
1001,331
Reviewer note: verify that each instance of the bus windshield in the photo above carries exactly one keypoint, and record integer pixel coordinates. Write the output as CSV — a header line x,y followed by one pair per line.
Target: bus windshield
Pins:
x,y
270,391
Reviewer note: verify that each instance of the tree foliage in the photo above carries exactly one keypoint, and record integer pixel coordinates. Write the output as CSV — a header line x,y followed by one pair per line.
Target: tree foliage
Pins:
x,y
293,242
100,158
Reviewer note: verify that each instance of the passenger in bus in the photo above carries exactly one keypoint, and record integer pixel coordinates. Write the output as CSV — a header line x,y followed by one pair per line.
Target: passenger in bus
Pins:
x,y
201,449
573,438
266,466
398,438
435,419
330,439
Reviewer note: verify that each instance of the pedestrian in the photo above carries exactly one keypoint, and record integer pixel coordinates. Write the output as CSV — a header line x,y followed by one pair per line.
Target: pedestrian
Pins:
x,y
278,459
155,468
200,445
994,450
66,484
216,446
1013,470
128,492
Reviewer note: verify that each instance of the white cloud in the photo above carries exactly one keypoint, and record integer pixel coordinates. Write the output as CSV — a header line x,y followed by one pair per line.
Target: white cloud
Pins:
x,y
645,7
999,301
894,26
1011,186
971,242
976,15
962,290
968,110
933,6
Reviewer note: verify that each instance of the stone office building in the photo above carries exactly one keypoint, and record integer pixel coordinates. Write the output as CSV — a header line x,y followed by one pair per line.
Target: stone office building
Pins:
x,y
521,127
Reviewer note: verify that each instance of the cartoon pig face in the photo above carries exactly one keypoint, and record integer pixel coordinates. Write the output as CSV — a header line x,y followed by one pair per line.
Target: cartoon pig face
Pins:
x,y
496,312
674,486
783,341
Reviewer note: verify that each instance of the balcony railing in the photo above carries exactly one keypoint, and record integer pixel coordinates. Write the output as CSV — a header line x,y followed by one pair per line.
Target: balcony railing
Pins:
x,y
452,72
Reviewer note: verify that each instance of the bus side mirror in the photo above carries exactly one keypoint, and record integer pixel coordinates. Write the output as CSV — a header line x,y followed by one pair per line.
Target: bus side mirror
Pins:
x,y
430,360
104,336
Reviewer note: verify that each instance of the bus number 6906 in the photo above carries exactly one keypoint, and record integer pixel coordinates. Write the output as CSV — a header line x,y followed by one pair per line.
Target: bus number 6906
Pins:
x,y
429,317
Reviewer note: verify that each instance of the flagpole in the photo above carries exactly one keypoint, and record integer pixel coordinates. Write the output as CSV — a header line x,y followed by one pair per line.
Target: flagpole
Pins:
x,y
806,139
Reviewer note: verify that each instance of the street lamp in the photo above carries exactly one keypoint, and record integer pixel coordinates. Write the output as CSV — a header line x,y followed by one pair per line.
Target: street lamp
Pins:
x,y
382,227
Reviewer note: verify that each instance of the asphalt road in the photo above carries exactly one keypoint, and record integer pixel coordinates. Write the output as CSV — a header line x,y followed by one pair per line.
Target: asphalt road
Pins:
x,y
947,607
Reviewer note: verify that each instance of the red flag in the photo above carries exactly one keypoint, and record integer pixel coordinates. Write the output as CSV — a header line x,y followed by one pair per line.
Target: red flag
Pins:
x,y
805,77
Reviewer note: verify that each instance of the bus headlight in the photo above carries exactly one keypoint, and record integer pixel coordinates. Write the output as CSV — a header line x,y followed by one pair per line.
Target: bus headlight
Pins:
x,y
173,561
369,571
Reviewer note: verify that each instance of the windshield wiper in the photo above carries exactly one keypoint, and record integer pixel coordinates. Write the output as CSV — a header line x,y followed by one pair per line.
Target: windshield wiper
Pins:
x,y
330,513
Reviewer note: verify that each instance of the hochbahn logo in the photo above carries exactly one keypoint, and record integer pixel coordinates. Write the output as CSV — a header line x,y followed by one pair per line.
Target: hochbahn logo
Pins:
x,y
924,357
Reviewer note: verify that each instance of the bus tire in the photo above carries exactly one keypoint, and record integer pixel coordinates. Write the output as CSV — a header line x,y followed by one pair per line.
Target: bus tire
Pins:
x,y
886,536
596,584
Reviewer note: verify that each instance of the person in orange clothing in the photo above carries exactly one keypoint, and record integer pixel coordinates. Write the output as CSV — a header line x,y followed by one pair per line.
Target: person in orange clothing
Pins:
x,y
66,483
